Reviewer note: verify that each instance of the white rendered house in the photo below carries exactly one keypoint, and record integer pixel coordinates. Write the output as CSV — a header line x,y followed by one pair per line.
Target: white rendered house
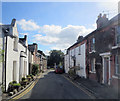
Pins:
x,y
15,64
76,58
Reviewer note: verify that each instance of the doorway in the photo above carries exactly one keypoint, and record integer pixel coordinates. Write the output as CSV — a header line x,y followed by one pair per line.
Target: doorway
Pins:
x,y
106,67
106,70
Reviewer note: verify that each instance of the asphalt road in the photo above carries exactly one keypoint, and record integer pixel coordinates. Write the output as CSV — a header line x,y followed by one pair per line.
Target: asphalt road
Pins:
x,y
55,86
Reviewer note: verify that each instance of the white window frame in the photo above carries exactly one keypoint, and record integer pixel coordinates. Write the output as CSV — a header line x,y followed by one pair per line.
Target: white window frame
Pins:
x,y
15,44
92,44
79,53
92,67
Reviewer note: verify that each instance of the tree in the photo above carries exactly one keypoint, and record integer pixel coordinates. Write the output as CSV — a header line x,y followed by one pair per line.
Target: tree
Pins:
x,y
56,56
35,69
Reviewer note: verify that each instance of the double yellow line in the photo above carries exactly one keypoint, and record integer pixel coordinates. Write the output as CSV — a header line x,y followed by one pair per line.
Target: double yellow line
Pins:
x,y
85,91
26,91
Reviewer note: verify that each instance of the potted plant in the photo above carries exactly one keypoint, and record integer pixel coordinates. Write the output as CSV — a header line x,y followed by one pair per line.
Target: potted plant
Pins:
x,y
29,78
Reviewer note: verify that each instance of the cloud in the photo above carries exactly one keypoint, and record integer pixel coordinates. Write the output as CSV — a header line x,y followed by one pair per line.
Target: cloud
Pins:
x,y
54,35
23,33
50,29
45,40
61,38
29,25
1,23
46,52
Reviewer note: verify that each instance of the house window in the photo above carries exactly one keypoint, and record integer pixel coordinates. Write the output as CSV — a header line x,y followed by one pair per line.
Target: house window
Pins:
x,y
79,50
14,70
26,50
93,65
74,52
118,35
117,64
92,44
25,67
15,44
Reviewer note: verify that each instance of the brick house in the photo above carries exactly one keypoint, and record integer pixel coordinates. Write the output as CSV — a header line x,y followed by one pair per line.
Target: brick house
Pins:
x,y
103,51
33,48
38,57
43,61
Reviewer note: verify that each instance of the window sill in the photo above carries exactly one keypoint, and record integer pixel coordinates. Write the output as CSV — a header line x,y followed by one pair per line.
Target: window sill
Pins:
x,y
116,46
115,77
15,50
92,72
93,51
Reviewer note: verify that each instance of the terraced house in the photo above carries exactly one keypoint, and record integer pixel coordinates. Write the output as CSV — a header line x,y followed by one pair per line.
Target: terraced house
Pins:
x,y
38,57
76,57
15,63
101,52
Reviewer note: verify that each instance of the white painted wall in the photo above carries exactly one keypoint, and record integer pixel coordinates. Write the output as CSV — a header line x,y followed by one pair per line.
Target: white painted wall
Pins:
x,y
15,56
66,61
80,60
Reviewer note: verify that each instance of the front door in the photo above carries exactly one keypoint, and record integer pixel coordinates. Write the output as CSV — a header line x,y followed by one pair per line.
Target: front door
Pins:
x,y
106,69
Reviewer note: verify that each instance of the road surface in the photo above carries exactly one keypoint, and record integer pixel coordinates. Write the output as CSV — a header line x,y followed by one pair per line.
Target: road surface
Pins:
x,y
55,86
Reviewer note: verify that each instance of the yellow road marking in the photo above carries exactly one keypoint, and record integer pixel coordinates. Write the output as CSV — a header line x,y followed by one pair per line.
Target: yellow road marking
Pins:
x,y
25,92
80,88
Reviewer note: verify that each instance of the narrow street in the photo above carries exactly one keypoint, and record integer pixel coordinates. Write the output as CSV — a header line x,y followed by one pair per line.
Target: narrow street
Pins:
x,y
55,86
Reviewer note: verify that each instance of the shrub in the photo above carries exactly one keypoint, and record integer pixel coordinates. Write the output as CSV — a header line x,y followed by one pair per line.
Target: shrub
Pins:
x,y
23,78
3,88
28,76
32,76
10,83
14,81
16,84
13,85
24,82
71,72
35,69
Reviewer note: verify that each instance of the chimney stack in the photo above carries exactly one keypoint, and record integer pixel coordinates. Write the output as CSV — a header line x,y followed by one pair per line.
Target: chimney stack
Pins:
x,y
25,37
13,22
79,38
102,20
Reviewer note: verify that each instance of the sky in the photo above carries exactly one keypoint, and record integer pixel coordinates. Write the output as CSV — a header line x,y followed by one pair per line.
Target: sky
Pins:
x,y
55,25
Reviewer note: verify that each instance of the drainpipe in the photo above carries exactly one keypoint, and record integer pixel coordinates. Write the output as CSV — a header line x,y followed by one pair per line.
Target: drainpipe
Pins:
x,y
5,61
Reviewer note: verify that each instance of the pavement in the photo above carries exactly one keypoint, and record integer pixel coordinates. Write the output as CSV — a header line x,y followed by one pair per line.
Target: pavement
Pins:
x,y
100,91
55,86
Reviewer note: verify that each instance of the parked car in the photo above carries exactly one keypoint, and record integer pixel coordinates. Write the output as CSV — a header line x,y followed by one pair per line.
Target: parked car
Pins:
x,y
58,70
